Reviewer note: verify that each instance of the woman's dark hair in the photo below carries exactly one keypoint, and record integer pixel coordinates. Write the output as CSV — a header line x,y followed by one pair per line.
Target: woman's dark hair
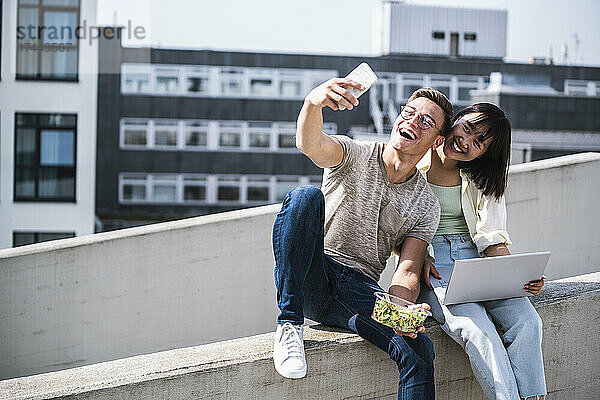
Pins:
x,y
489,171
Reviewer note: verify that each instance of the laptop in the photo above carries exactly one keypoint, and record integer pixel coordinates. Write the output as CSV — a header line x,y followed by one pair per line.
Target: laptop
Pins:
x,y
491,278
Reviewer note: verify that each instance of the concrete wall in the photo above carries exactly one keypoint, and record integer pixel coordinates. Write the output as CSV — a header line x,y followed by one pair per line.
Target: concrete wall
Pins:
x,y
551,206
340,365
112,295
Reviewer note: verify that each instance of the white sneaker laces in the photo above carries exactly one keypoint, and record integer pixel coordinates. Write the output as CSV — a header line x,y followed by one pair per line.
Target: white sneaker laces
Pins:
x,y
290,338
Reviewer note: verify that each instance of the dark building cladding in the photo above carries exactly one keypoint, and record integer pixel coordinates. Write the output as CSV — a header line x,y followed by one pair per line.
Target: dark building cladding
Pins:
x,y
114,205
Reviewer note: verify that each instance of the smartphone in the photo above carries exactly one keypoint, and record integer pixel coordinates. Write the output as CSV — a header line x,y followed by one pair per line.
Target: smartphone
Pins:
x,y
364,75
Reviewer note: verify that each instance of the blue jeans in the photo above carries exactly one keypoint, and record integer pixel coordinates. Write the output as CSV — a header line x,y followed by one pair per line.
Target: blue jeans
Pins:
x,y
506,368
311,284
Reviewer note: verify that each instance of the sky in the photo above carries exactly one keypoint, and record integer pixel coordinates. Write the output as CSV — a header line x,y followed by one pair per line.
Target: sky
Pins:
x,y
345,26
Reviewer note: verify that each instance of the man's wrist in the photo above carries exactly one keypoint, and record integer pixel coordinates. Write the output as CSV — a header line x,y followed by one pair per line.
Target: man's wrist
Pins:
x,y
311,106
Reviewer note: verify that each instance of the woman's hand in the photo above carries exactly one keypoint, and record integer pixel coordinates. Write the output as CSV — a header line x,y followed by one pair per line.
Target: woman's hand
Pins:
x,y
429,269
535,287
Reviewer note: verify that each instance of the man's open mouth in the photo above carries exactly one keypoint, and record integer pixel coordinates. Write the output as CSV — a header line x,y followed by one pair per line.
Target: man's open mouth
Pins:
x,y
407,135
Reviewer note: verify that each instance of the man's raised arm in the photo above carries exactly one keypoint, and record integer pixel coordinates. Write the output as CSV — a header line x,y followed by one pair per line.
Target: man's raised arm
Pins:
x,y
323,150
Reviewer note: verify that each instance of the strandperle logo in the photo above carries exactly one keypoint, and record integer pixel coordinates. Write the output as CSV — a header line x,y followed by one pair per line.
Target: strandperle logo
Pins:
x,y
66,34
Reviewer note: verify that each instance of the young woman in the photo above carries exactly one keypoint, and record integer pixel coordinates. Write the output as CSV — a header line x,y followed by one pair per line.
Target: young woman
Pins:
x,y
468,174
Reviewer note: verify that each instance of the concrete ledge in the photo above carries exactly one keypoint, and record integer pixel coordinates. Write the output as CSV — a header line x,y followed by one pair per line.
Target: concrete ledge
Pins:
x,y
129,233
341,364
556,162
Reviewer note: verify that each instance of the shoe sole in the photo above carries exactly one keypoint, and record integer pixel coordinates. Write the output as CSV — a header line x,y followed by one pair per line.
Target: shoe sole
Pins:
x,y
291,375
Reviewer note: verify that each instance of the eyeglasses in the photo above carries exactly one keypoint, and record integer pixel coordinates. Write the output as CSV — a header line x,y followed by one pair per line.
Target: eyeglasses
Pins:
x,y
424,121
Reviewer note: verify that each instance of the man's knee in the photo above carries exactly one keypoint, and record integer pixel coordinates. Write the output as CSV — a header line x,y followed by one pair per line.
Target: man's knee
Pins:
x,y
412,360
309,196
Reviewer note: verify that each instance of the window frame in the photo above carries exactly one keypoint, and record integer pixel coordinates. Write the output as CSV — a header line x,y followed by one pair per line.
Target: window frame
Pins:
x,y
261,182
203,127
235,182
187,180
40,7
38,130
470,36
211,185
201,72
133,122
133,68
67,235
220,77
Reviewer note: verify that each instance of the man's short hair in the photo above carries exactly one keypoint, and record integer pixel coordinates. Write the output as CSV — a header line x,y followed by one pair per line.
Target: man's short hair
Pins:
x,y
441,100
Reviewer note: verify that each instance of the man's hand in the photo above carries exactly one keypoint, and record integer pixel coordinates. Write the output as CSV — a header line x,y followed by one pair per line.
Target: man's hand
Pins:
x,y
535,287
332,91
420,328
429,269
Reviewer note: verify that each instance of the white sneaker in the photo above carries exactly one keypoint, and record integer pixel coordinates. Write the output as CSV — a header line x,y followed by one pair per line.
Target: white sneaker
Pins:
x,y
288,351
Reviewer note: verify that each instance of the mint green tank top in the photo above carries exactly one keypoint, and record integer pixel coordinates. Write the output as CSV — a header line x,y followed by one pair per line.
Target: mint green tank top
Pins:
x,y
452,219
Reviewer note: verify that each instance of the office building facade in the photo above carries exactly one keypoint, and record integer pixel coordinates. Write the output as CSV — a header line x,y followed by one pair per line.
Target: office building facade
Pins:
x,y
190,132
48,94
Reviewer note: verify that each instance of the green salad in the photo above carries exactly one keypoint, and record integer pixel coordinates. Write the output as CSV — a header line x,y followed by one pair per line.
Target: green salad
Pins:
x,y
405,319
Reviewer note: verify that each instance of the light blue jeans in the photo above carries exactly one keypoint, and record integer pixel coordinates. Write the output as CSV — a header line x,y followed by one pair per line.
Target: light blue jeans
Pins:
x,y
507,368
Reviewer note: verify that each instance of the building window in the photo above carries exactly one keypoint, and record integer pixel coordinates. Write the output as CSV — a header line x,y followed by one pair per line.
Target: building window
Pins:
x,y
287,136
439,35
196,134
45,157
443,85
582,88
206,135
470,36
205,80
47,43
231,81
166,80
465,85
230,134
21,238
165,134
290,84
133,187
197,81
259,135
411,82
258,189
135,78
164,188
228,189
261,82
285,184
134,133
318,77
194,189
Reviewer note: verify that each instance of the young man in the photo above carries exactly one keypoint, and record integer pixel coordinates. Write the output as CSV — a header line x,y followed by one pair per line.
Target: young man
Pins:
x,y
330,246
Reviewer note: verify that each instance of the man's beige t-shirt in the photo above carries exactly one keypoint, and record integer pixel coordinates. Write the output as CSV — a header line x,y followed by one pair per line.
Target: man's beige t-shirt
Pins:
x,y
366,216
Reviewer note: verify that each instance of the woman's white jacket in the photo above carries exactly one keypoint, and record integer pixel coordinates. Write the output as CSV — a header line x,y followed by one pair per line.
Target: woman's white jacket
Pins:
x,y
485,216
